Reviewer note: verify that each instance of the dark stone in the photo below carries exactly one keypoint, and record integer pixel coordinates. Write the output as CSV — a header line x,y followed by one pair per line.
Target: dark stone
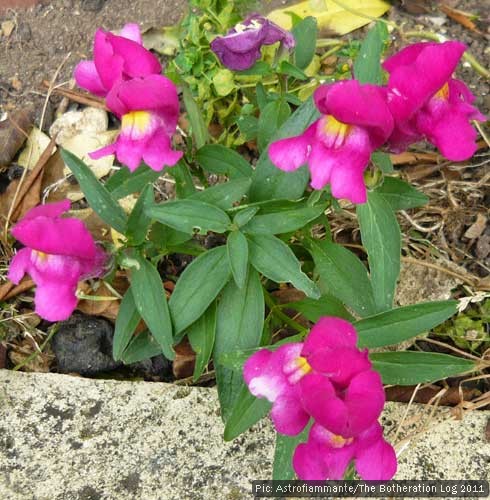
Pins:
x,y
24,32
92,5
83,345
158,368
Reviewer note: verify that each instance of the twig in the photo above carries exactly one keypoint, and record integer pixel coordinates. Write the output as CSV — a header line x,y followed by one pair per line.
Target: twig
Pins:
x,y
34,355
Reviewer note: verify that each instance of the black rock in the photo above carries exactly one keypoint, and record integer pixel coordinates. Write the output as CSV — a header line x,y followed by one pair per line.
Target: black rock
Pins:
x,y
83,344
158,368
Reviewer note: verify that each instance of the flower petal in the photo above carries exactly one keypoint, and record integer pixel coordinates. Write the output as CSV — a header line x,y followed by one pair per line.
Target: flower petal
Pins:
x,y
364,400
56,236
152,93
291,153
288,415
340,364
355,104
48,210
109,66
55,301
132,31
158,152
19,265
329,332
88,78
377,462
308,463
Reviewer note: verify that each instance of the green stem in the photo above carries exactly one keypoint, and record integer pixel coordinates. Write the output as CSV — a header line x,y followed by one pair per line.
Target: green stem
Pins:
x,y
274,309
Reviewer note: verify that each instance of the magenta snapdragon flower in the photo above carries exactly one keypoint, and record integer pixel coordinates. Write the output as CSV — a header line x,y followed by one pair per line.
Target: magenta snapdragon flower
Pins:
x,y
326,456
58,253
240,48
148,108
327,377
337,147
427,103
115,58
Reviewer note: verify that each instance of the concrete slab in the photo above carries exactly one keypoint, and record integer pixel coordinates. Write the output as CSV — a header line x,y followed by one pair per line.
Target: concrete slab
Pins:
x,y
64,437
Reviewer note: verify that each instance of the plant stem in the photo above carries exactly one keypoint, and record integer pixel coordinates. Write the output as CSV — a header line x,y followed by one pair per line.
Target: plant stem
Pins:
x,y
274,308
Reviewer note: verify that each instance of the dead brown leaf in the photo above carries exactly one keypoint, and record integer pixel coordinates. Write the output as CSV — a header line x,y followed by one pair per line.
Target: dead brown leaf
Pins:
x,y
460,17
40,362
95,307
409,157
13,133
9,290
451,397
3,356
185,359
477,228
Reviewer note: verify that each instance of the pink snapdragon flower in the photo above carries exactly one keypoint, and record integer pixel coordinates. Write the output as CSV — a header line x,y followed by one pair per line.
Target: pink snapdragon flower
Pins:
x,y
148,108
58,253
427,103
326,456
337,147
327,377
116,58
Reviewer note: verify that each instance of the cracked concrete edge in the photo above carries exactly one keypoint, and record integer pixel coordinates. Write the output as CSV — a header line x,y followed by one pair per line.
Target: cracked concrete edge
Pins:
x,y
64,437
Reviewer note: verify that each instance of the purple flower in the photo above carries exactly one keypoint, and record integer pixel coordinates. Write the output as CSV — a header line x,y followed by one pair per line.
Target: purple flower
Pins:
x,y
59,253
148,108
337,147
326,378
426,102
240,47
326,456
115,58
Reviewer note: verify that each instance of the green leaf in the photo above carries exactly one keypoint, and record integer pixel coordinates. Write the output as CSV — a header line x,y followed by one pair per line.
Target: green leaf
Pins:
x,y
270,119
247,411
367,67
201,336
305,33
326,305
96,194
259,68
275,260
166,237
224,82
139,222
283,455
345,276
243,216
286,68
219,159
151,302
269,182
224,195
400,195
400,324
237,249
190,215
143,346
381,238
239,326
198,286
383,162
184,185
410,367
124,182
127,320
198,127
283,222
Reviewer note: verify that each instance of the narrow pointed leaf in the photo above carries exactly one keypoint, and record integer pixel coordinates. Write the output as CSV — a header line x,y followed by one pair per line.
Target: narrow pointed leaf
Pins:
x,y
237,250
